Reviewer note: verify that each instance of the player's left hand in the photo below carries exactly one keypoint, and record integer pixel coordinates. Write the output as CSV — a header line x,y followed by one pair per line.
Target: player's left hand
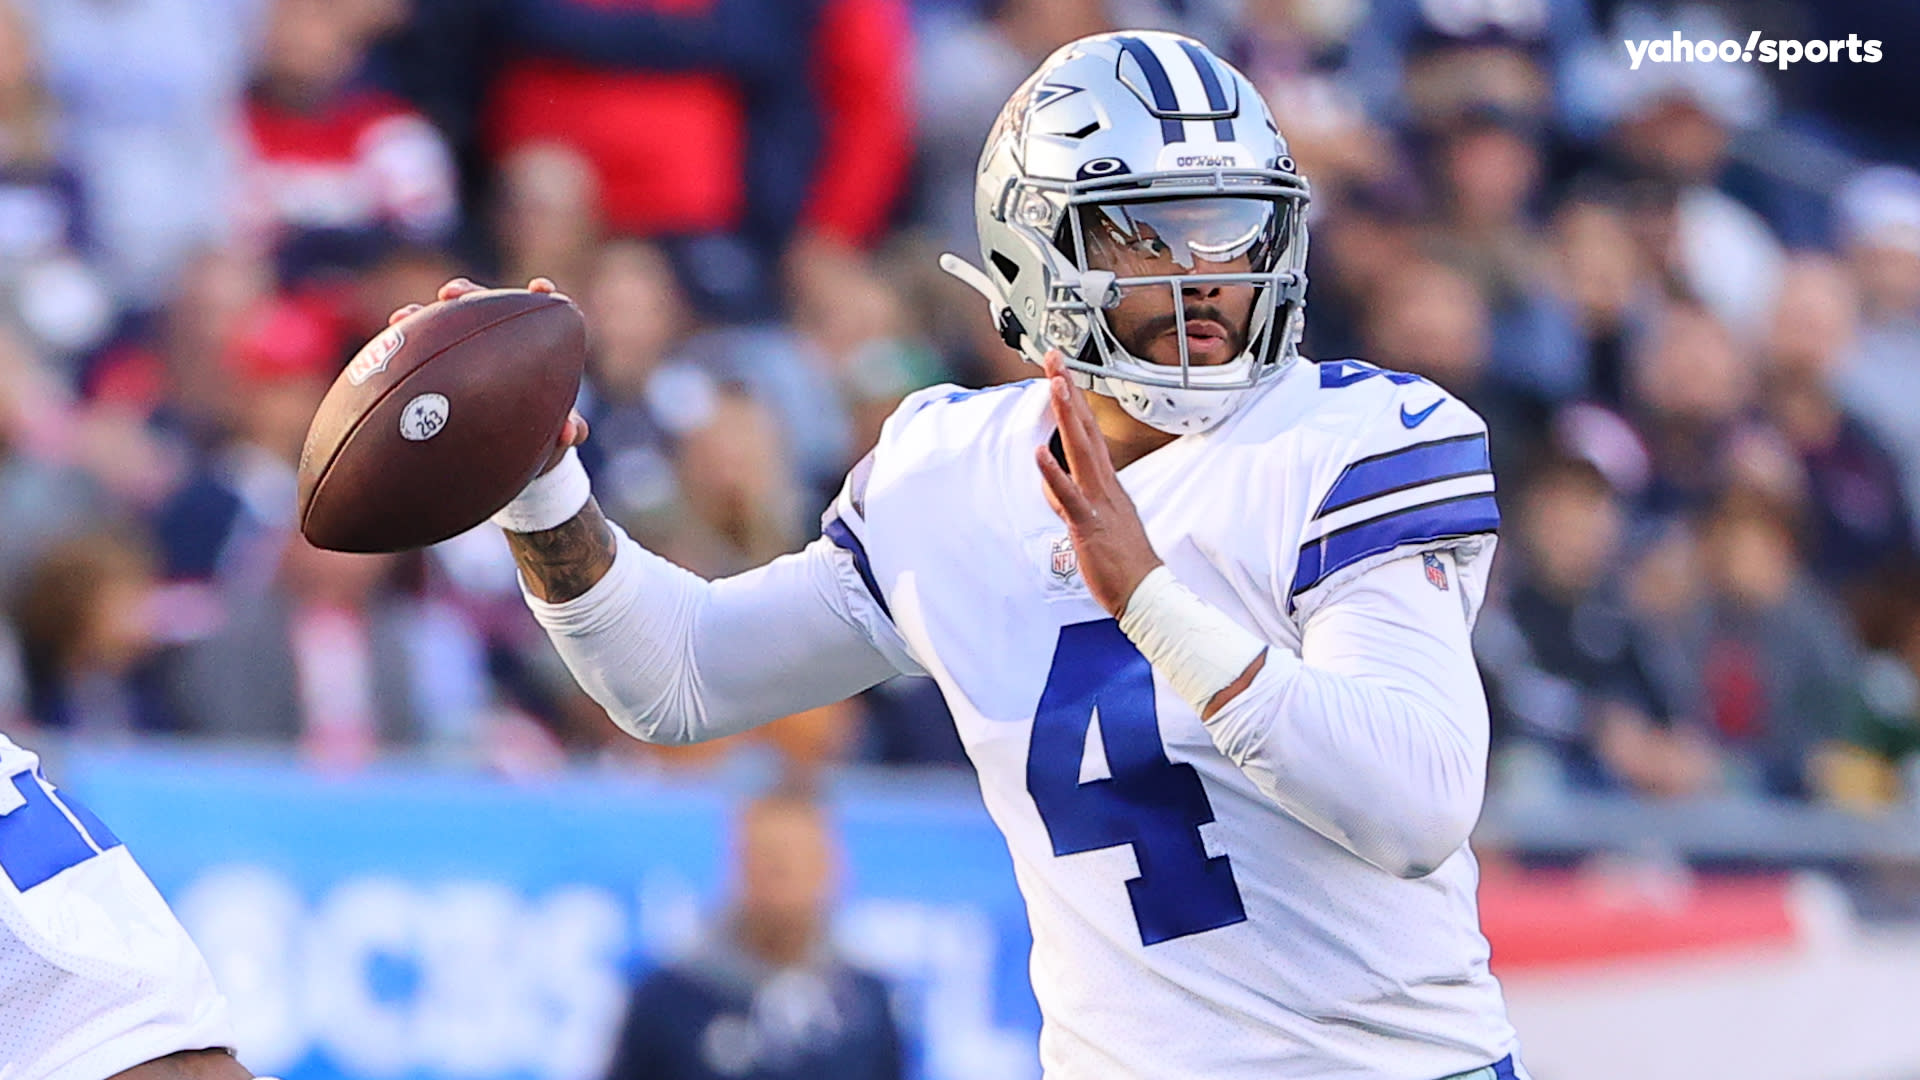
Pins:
x,y
1111,543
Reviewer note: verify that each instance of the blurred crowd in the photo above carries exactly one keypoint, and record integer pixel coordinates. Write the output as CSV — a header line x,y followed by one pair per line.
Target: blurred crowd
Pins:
x,y
1687,299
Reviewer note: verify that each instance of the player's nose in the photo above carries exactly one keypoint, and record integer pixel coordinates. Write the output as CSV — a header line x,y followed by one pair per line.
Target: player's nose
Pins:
x,y
1200,290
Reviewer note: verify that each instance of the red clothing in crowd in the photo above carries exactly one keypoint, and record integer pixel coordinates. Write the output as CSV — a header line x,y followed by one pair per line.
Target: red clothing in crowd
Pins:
x,y
670,147
362,161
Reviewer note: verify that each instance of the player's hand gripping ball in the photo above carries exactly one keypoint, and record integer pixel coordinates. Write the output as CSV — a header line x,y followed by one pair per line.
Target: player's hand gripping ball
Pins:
x,y
443,418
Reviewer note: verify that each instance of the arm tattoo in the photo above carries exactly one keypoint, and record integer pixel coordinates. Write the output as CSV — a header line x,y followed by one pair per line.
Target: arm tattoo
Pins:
x,y
562,563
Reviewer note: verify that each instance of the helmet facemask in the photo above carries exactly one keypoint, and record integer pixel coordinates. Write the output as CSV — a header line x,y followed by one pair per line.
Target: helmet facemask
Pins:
x,y
1173,297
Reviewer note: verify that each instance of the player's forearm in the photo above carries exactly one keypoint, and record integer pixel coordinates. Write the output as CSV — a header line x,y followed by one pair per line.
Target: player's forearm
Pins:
x,y
561,564
1373,766
1376,735
1370,740
677,659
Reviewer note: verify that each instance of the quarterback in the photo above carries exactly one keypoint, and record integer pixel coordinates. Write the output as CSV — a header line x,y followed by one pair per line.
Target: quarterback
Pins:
x,y
1200,607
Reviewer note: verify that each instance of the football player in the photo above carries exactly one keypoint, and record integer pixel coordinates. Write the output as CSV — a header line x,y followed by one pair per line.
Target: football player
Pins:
x,y
1200,608
97,978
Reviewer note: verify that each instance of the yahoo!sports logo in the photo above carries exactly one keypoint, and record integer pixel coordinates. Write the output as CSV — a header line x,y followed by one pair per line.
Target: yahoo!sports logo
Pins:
x,y
1784,53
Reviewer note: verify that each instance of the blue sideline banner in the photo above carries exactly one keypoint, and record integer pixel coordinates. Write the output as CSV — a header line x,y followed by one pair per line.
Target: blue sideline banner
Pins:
x,y
421,925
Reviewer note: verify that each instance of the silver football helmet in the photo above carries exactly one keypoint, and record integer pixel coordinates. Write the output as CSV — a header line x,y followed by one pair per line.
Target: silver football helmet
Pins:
x,y
1131,152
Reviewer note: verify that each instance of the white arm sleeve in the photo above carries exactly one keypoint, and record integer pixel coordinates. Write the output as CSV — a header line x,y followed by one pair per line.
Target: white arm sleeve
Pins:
x,y
677,659
1376,735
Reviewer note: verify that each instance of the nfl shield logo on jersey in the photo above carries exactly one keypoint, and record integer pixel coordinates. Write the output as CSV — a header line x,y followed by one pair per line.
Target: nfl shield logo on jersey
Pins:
x,y
1436,570
1065,562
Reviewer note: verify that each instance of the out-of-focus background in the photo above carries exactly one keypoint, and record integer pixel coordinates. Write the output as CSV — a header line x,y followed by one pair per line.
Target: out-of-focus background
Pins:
x,y
1686,298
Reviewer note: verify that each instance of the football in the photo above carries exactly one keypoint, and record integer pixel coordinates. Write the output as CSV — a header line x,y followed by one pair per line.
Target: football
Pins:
x,y
440,421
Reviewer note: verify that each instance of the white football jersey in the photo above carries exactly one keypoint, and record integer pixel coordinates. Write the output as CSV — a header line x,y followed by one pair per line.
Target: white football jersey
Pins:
x,y
96,974
1183,924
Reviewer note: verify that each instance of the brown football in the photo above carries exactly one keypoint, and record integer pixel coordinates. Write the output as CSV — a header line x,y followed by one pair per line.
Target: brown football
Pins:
x,y
440,421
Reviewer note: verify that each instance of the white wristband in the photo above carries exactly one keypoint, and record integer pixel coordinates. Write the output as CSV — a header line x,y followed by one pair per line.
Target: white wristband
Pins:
x,y
1193,644
551,500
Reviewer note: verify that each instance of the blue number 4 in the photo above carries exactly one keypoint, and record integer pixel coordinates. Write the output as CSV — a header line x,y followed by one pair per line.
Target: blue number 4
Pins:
x,y
1148,802
47,834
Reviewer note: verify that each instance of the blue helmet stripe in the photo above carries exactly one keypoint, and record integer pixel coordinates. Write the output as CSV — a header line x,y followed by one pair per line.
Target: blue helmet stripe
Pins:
x,y
1216,95
1164,99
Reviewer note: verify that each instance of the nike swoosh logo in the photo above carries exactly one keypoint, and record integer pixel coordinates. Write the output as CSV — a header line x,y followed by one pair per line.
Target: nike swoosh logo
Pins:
x,y
1414,420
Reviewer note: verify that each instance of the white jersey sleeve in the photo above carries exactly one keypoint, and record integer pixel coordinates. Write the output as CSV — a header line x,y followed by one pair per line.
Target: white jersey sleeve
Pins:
x,y
1375,735
1411,473
677,659
96,974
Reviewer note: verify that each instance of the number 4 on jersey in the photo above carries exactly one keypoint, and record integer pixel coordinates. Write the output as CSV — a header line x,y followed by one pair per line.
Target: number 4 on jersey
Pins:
x,y
1151,803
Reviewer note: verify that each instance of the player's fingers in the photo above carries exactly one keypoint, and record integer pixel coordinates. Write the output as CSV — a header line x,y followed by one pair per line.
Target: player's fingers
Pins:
x,y
1077,410
401,313
457,288
1062,493
1077,438
575,431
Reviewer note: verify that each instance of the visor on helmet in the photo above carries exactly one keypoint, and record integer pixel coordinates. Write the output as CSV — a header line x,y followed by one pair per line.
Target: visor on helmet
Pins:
x,y
1198,235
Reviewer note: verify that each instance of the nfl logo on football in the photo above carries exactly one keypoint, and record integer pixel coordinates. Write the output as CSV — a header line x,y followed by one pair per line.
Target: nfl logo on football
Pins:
x,y
1065,562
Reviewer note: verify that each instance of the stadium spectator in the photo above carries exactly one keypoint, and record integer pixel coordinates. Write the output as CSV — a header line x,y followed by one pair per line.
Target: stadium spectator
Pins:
x,y
1295,54
1859,522
44,493
546,215
228,518
773,122
637,401
1669,133
1569,665
1880,229
1777,662
688,454
1488,165
766,996
1423,64
87,637
1599,270
150,97
55,296
335,661
1692,388
967,65
337,173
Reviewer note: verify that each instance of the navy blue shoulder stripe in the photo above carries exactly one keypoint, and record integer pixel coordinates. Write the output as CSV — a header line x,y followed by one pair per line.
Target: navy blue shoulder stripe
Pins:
x,y
1407,467
836,530
1216,95
1164,99
1447,518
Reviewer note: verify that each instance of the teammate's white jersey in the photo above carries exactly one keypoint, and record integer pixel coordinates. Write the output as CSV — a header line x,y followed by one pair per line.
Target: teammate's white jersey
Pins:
x,y
1184,924
96,974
